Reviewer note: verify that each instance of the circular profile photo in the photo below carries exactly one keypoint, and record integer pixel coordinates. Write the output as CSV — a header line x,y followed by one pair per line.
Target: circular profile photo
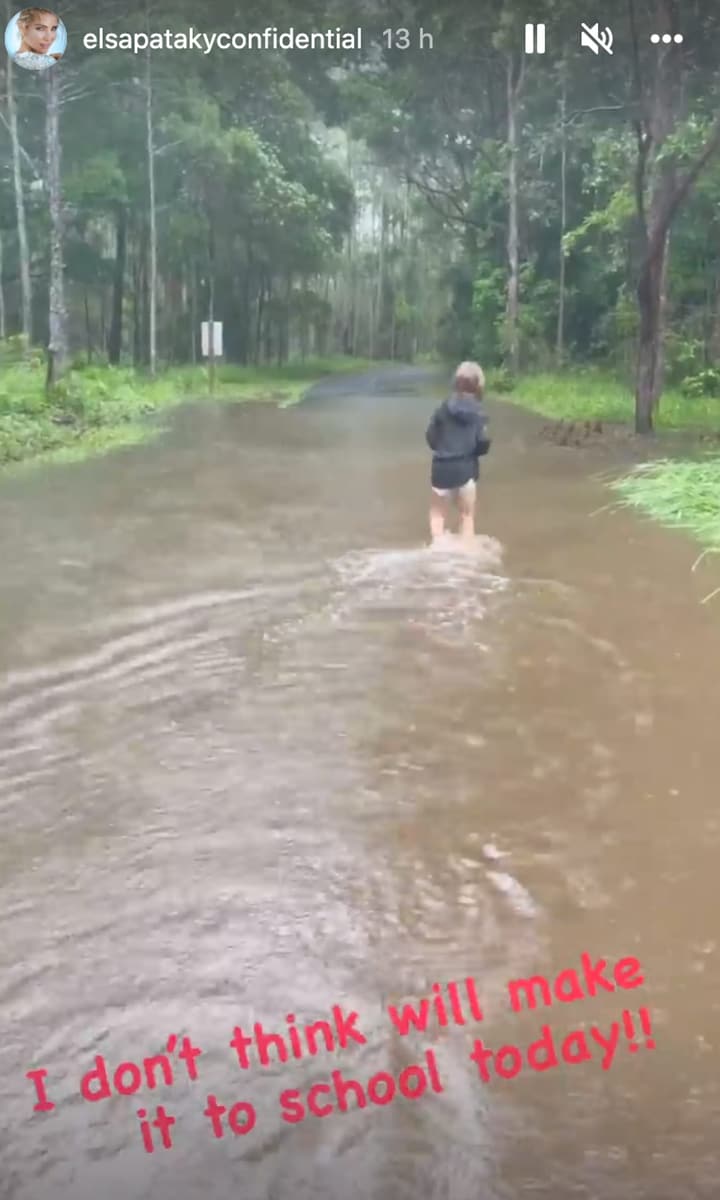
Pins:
x,y
35,38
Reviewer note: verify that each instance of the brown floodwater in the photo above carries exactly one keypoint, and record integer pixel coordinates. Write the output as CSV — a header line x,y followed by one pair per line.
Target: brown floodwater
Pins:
x,y
263,753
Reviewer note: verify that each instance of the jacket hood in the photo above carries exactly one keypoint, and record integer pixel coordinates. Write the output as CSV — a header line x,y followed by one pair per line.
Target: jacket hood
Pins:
x,y
463,408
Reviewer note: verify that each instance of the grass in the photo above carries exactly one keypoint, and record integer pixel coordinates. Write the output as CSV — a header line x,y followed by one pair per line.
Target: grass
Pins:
x,y
680,493
95,409
590,395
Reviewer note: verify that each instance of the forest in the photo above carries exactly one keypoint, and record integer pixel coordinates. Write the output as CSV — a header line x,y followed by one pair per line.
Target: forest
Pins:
x,y
437,193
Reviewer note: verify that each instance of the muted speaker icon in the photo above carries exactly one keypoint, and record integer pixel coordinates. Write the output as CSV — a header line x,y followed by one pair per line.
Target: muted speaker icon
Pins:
x,y
596,39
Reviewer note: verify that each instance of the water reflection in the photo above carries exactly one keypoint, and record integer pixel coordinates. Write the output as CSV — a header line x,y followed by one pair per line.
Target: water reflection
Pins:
x,y
263,753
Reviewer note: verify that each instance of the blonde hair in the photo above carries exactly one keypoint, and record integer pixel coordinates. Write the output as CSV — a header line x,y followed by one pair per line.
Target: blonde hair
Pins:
x,y
469,377
28,15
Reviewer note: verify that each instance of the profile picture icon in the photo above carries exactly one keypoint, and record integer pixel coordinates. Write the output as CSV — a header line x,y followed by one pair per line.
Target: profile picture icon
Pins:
x,y
35,38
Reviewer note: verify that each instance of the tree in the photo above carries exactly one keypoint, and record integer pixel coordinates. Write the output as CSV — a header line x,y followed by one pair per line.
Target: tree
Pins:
x,y
58,339
23,248
150,135
661,188
515,74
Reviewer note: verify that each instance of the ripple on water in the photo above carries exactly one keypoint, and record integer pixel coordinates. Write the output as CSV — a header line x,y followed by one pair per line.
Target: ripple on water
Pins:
x,y
123,666
446,588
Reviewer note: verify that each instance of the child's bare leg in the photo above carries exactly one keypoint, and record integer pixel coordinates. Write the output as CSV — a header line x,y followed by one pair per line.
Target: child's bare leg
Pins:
x,y
466,505
438,515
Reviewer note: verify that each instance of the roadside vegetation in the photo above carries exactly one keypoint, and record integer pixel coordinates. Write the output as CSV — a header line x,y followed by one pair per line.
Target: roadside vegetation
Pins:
x,y
592,394
560,226
679,492
93,409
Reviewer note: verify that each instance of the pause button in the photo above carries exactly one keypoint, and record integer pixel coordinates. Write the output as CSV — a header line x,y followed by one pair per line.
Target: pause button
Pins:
x,y
534,39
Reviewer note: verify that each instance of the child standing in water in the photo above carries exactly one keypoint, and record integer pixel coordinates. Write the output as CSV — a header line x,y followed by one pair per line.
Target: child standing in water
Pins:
x,y
457,436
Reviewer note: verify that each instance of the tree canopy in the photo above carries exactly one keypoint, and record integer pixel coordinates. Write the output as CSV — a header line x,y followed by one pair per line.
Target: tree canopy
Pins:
x,y
435,190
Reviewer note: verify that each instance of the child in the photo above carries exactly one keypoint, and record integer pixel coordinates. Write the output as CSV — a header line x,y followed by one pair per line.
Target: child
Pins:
x,y
457,435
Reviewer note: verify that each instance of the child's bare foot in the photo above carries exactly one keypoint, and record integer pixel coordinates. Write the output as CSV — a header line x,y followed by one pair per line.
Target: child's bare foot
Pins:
x,y
443,541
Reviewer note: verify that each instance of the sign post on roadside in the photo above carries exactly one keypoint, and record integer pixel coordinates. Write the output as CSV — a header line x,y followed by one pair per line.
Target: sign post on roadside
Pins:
x,y
212,347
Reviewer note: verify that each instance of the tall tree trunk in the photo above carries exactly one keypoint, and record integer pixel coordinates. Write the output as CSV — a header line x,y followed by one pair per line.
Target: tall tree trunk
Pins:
x,y
714,342
137,308
514,88
145,300
88,326
707,322
349,346
392,291
663,311
325,324
257,348
660,191
380,297
560,342
193,312
23,250
211,306
57,345
103,322
3,331
354,312
284,332
658,181
267,323
306,286
116,323
649,288
371,291
152,282
247,306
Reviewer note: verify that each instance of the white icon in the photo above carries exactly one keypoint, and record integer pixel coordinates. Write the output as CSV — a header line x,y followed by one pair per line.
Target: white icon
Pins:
x,y
596,41
666,38
534,39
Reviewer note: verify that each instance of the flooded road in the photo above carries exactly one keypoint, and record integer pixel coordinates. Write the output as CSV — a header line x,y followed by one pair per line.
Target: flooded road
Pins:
x,y
261,753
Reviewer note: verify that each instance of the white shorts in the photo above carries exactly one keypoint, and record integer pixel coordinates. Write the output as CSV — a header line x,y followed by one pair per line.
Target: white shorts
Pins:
x,y
466,492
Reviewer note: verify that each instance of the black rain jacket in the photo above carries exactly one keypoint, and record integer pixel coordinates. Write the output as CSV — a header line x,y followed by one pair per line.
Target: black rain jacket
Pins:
x,y
458,429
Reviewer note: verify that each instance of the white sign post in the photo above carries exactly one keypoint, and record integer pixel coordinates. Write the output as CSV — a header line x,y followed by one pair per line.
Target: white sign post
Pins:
x,y
216,341
211,347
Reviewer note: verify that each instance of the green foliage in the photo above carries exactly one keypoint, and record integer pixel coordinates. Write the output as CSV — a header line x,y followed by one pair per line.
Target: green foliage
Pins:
x,y
705,383
684,494
97,407
488,306
500,381
292,203
243,149
576,395
611,220
625,315
538,318
97,182
684,357
13,350
591,393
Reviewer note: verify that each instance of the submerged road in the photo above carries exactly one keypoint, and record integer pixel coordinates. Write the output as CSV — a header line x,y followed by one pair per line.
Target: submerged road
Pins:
x,y
266,761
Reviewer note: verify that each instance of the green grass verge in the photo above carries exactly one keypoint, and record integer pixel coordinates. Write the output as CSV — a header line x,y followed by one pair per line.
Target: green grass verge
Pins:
x,y
95,409
593,395
679,493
